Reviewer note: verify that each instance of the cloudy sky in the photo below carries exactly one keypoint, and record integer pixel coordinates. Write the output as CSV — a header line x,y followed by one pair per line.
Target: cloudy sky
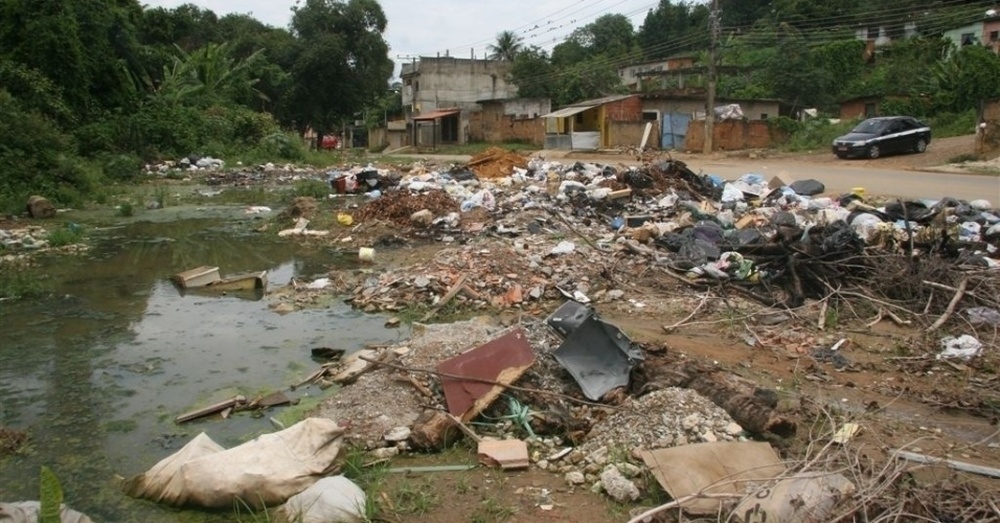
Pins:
x,y
460,27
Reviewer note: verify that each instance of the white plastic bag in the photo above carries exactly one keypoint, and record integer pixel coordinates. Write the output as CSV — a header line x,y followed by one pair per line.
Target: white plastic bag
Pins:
x,y
329,500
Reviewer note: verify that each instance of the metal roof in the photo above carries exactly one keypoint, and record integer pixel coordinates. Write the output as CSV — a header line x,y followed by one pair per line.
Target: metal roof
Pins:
x,y
568,111
434,115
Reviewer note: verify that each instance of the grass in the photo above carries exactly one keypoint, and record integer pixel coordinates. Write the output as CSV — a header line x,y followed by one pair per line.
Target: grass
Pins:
x,y
18,281
68,235
492,510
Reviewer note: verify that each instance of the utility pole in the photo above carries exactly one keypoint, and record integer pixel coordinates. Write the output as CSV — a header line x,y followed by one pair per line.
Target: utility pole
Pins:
x,y
713,29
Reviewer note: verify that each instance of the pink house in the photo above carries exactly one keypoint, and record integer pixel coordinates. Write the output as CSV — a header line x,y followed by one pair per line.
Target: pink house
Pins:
x,y
991,33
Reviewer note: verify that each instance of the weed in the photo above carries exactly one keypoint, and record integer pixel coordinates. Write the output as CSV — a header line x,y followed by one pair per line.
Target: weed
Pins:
x,y
964,157
126,209
414,498
832,317
369,479
68,235
315,188
160,196
492,510
18,281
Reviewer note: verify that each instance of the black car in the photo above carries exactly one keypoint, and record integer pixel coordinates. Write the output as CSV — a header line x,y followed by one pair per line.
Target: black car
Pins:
x,y
876,137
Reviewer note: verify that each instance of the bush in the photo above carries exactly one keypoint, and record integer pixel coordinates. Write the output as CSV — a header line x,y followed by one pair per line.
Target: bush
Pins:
x,y
283,146
123,167
817,133
944,125
315,188
68,235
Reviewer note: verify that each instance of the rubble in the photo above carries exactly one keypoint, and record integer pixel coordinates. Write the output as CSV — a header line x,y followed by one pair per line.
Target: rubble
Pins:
x,y
496,162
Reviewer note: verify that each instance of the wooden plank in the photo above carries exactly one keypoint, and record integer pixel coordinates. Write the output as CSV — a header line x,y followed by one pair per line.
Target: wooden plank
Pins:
x,y
211,409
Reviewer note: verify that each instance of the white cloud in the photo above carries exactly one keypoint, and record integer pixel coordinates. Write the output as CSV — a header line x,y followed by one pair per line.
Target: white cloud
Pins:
x,y
459,27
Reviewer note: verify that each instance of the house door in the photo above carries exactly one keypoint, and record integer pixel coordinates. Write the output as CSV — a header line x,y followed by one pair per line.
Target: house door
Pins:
x,y
675,127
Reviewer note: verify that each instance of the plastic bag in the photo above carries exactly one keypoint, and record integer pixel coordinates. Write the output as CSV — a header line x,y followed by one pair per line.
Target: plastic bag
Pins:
x,y
329,500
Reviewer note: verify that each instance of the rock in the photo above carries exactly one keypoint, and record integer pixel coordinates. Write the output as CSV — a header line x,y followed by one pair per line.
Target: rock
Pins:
x,y
615,294
617,486
421,282
40,207
385,452
734,429
709,437
422,218
543,464
691,421
397,434
392,323
599,456
575,477
629,470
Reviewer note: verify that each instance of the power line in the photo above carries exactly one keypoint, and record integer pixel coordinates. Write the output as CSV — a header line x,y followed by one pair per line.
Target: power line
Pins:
x,y
668,46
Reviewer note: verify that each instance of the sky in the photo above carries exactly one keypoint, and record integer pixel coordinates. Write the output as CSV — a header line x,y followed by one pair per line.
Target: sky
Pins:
x,y
458,27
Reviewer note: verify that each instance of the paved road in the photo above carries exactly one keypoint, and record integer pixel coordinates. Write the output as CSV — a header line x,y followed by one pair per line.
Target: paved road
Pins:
x,y
840,179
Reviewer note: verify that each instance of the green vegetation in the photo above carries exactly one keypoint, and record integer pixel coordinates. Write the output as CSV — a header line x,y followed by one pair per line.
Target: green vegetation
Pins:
x,y
806,54
68,235
91,91
19,281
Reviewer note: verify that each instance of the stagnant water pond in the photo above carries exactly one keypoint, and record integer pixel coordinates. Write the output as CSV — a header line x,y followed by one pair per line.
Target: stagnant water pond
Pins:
x,y
97,372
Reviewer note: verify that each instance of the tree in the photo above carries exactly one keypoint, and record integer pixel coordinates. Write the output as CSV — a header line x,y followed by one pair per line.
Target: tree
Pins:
x,y
507,46
969,76
342,64
670,29
532,73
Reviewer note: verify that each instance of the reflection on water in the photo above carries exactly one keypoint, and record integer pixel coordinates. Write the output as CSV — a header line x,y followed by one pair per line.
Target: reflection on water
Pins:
x,y
97,372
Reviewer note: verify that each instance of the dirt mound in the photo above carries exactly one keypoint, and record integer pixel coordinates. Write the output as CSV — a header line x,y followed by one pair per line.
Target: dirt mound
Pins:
x,y
496,162
301,207
398,206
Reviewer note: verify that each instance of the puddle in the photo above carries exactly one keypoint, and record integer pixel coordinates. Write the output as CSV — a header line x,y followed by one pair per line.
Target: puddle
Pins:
x,y
98,372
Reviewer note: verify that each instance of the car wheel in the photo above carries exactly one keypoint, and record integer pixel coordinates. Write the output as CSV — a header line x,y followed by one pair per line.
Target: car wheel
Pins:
x,y
874,152
921,145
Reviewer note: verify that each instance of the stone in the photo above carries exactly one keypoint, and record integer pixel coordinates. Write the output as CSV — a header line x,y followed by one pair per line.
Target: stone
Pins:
x,y
421,282
575,477
617,486
422,218
709,437
599,456
615,294
397,434
543,464
734,429
691,421
629,470
40,207
385,452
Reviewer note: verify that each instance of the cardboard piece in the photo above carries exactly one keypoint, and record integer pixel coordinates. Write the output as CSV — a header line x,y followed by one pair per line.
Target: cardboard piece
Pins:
x,y
720,467
507,453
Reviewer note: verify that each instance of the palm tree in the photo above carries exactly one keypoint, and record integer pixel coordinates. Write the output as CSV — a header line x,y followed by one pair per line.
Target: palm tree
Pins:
x,y
507,46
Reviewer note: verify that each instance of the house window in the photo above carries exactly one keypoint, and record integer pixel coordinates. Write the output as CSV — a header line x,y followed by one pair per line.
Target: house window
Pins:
x,y
870,109
994,36
650,116
763,116
968,39
579,118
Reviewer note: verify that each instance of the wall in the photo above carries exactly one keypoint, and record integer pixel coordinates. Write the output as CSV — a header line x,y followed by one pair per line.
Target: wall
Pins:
x,y
625,110
622,134
855,109
988,137
752,109
492,125
955,35
731,135
991,26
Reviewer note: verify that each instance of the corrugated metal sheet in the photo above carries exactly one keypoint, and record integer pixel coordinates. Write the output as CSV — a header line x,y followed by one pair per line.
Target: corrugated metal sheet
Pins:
x,y
568,111
434,115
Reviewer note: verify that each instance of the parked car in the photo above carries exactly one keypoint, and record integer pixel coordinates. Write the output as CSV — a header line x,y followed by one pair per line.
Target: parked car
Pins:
x,y
883,135
330,142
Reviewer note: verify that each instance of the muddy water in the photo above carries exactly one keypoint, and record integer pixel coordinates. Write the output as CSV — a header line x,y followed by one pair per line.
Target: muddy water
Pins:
x,y
97,373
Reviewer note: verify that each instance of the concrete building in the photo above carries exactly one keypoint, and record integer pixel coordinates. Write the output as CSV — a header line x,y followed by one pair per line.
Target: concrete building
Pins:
x,y
439,93
970,34
632,75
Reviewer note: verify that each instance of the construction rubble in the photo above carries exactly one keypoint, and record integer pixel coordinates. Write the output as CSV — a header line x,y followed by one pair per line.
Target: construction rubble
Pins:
x,y
543,243
532,249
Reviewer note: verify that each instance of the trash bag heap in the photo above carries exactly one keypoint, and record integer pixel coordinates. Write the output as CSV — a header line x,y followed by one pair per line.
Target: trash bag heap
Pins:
x,y
777,243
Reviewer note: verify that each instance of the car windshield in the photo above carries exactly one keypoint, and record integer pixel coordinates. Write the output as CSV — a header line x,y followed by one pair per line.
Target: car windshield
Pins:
x,y
871,126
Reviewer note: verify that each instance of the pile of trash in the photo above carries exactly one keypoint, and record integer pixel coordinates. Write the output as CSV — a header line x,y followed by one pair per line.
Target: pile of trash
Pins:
x,y
780,243
496,162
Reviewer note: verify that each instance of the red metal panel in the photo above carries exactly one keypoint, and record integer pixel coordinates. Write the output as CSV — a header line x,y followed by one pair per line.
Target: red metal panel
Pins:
x,y
504,360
